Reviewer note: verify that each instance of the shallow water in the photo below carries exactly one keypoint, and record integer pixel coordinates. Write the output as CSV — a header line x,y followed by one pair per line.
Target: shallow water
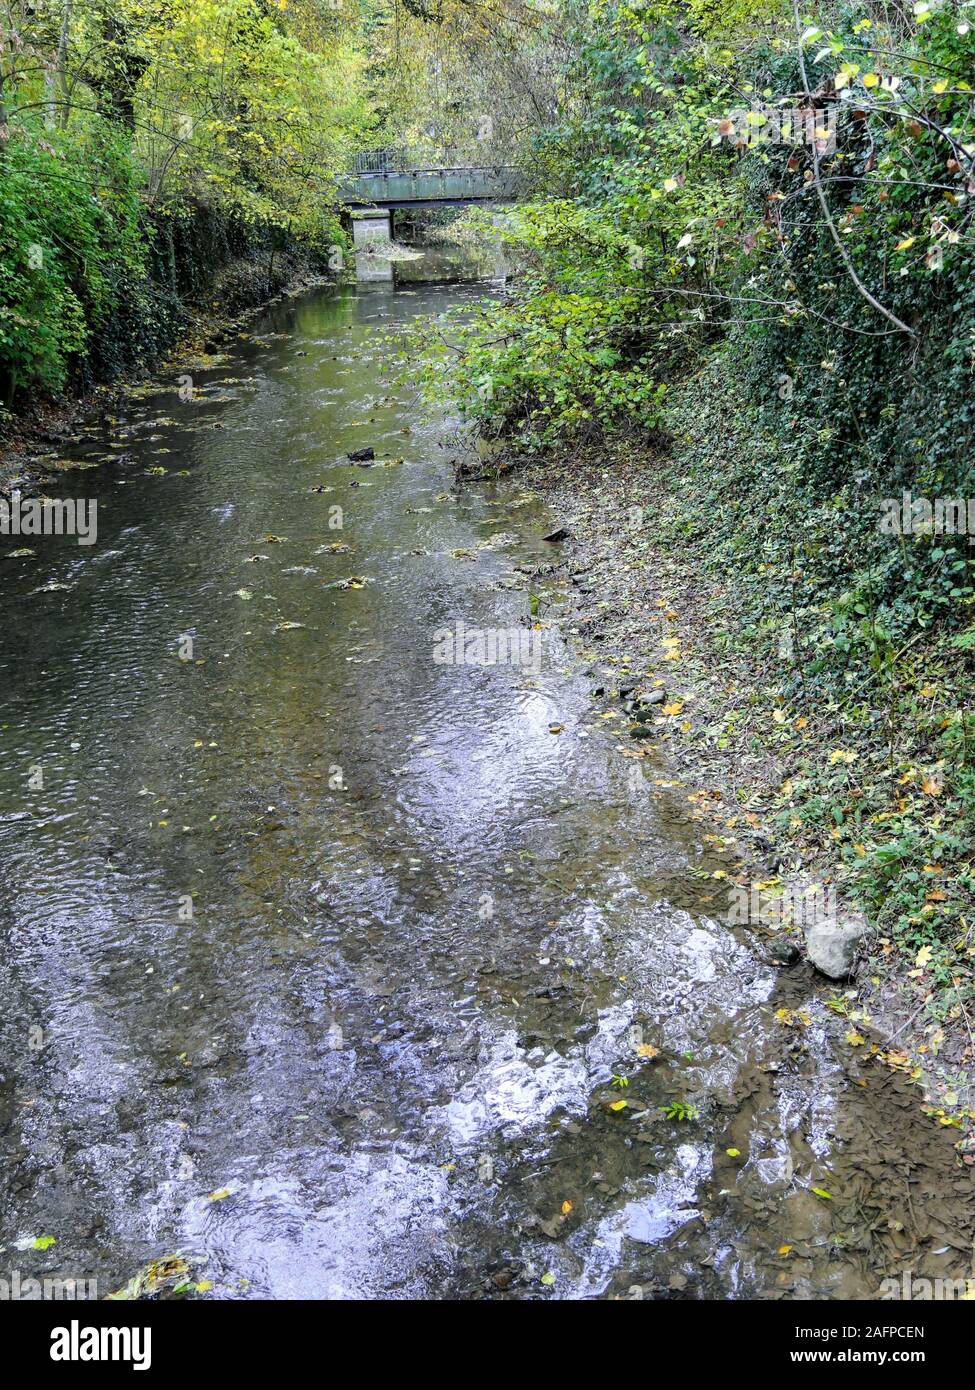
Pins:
x,y
348,937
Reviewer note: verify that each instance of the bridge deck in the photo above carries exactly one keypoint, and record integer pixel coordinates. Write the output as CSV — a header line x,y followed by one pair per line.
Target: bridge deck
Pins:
x,y
404,188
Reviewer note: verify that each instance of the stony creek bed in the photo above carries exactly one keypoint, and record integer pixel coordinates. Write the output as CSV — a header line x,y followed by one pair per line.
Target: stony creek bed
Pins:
x,y
342,971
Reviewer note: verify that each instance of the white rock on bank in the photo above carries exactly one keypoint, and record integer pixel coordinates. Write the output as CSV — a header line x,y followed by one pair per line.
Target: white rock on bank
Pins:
x,y
832,945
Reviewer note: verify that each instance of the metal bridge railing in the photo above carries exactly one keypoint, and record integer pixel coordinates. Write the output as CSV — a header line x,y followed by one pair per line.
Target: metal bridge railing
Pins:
x,y
402,161
380,161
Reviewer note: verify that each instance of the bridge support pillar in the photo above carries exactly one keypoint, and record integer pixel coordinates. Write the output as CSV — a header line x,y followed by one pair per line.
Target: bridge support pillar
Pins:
x,y
371,235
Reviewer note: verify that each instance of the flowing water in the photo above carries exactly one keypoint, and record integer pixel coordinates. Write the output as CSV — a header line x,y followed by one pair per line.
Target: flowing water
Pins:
x,y
319,956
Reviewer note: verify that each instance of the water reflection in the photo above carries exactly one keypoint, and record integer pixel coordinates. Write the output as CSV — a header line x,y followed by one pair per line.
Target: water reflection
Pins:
x,y
334,951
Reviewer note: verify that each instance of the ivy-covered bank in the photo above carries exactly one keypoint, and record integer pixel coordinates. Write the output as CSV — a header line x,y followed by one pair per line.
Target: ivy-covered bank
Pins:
x,y
857,638
182,267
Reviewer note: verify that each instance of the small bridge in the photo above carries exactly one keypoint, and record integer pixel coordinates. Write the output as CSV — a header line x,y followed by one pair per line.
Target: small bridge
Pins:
x,y
378,183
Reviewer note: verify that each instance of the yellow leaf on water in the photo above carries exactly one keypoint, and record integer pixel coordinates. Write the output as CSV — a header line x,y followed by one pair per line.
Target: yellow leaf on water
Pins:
x,y
566,1207
618,1105
220,1194
785,1250
733,1153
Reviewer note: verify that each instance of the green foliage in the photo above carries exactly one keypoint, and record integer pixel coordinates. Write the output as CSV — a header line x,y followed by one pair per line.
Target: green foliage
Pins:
x,y
62,253
680,1110
142,147
616,281
555,361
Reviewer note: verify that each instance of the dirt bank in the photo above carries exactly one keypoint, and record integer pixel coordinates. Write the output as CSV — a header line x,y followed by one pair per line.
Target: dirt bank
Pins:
x,y
651,625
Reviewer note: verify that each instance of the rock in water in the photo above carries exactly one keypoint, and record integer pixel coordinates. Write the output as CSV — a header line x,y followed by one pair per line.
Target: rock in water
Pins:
x,y
832,945
784,952
361,455
562,534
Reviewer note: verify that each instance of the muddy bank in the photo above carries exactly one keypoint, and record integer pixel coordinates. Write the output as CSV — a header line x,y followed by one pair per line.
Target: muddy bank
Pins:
x,y
650,621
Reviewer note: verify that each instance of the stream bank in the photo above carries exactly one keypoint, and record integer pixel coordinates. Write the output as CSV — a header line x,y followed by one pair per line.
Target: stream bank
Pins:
x,y
640,605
